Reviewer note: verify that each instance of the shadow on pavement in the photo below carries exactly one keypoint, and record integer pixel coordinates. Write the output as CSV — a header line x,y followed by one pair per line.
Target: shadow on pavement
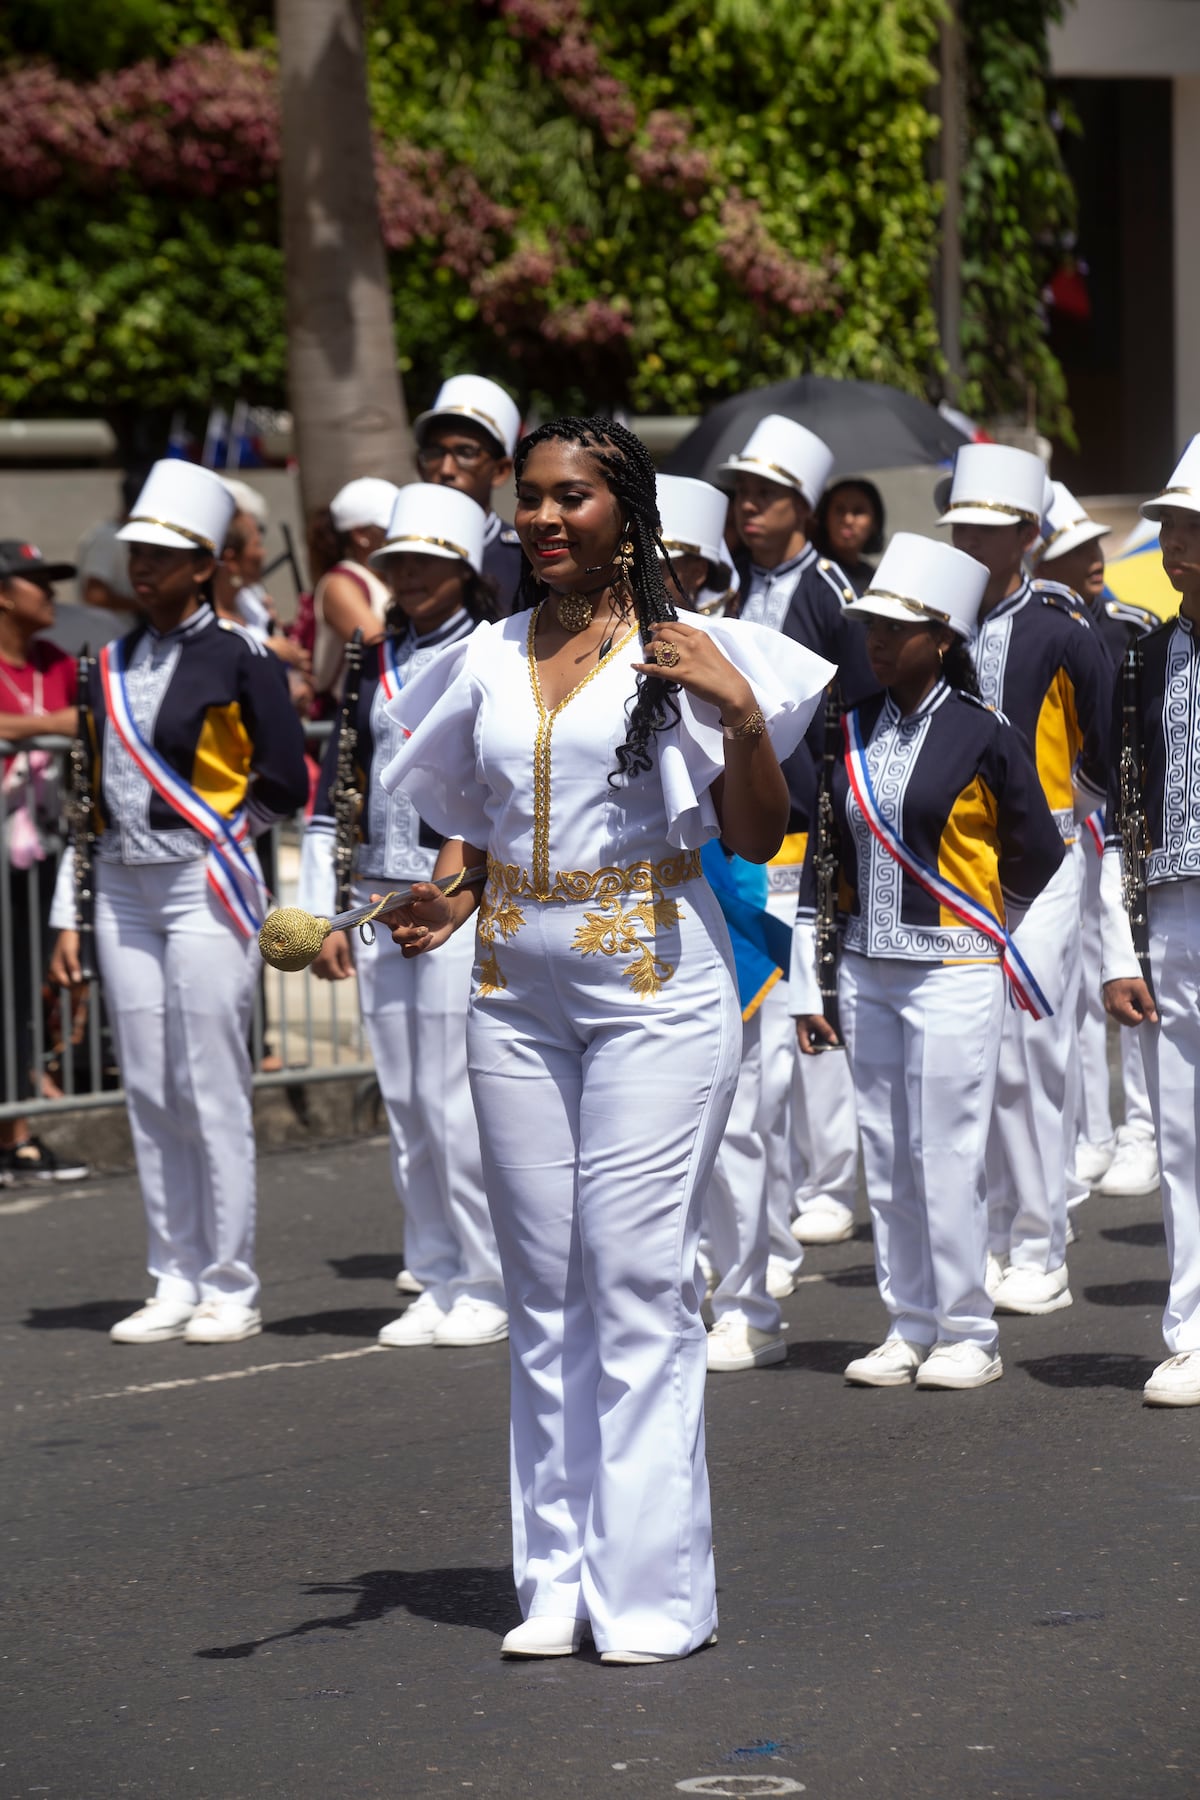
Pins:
x,y
1128,1293
481,1597
1091,1369
859,1275
357,1321
367,1268
1149,1232
828,1357
93,1315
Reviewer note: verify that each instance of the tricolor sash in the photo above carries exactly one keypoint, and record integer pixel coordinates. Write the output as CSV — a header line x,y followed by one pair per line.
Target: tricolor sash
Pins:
x,y
1094,826
389,675
231,875
974,913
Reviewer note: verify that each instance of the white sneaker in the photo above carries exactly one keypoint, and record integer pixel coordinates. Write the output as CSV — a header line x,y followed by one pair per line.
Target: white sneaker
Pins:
x,y
407,1283
997,1268
153,1323
1092,1160
1032,1291
1175,1382
1134,1167
222,1322
958,1366
414,1326
734,1345
471,1321
894,1363
545,1635
781,1278
823,1221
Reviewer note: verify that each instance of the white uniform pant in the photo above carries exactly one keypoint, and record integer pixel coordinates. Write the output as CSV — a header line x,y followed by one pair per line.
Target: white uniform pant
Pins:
x,y
600,1114
923,1042
1095,1114
179,987
736,1223
1172,1058
415,1013
1033,1124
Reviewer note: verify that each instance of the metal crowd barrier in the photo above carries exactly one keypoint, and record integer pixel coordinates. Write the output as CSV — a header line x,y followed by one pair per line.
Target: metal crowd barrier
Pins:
x,y
302,1029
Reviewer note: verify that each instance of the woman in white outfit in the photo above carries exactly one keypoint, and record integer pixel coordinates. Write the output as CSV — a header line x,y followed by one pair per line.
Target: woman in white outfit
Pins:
x,y
943,830
197,749
588,747
415,1012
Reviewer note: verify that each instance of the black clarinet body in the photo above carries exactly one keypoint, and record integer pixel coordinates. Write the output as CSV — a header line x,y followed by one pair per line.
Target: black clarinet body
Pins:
x,y
347,801
1131,825
826,862
82,818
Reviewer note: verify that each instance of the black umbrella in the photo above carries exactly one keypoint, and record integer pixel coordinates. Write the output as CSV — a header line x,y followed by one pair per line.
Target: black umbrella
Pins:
x,y
865,424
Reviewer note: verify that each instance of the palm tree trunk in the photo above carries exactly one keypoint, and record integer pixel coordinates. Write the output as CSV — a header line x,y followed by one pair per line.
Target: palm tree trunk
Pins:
x,y
345,391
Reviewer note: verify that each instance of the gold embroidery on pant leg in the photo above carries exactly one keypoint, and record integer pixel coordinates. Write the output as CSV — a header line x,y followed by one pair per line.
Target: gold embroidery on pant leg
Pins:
x,y
613,932
497,918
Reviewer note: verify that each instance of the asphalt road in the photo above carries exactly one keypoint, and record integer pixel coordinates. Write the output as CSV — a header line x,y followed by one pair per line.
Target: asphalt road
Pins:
x,y
280,1568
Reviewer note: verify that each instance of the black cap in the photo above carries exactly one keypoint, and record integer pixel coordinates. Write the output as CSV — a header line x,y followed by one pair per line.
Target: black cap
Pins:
x,y
17,558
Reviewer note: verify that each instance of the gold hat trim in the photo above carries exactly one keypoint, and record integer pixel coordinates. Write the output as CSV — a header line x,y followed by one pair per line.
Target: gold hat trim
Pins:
x,y
412,537
1062,531
193,537
471,412
916,606
1000,506
759,462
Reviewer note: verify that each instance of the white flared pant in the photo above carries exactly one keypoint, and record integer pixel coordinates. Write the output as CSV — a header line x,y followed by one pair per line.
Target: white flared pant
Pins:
x,y
600,1113
1172,1058
179,987
415,1014
1032,1138
923,1042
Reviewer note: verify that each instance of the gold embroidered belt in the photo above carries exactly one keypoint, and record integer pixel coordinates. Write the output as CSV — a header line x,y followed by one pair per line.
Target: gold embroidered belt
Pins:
x,y
600,884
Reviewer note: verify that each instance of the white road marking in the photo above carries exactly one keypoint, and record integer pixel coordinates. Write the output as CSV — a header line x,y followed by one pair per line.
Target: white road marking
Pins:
x,y
191,1381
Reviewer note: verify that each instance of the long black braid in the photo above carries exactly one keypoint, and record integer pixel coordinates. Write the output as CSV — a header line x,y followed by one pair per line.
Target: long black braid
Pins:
x,y
958,667
625,463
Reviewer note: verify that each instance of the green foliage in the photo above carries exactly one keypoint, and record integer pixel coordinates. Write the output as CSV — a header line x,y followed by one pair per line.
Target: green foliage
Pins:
x,y
594,202
1018,209
142,310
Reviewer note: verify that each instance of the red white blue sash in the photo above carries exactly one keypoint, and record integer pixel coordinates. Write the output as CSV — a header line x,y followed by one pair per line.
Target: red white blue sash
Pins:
x,y
1094,826
231,875
1025,990
390,679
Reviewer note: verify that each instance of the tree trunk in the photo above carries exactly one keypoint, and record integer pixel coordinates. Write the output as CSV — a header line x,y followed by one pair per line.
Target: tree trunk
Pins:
x,y
345,391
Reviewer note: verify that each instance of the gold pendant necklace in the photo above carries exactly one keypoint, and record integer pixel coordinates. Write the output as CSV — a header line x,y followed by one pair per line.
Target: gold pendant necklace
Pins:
x,y
574,611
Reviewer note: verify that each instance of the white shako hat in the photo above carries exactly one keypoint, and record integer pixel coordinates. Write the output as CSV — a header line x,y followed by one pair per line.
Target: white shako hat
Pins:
x,y
996,485
473,397
182,507
921,582
246,498
367,501
779,450
434,521
693,515
1066,525
1183,489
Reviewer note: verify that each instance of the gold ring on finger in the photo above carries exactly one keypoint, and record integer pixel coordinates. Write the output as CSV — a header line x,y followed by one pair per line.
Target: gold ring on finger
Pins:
x,y
666,654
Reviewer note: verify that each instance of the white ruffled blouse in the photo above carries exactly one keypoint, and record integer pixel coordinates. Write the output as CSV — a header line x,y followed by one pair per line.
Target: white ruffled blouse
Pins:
x,y
489,762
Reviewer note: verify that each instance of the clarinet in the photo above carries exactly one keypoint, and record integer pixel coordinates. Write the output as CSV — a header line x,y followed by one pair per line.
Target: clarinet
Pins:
x,y
81,817
347,801
1131,823
826,862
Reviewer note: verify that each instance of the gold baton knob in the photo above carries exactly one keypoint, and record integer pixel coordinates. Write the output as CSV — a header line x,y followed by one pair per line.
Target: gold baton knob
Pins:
x,y
290,938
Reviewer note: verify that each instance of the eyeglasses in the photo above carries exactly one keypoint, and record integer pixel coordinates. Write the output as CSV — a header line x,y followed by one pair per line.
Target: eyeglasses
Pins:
x,y
467,456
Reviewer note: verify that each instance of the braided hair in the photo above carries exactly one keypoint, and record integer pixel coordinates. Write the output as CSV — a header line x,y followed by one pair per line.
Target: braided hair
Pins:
x,y
626,466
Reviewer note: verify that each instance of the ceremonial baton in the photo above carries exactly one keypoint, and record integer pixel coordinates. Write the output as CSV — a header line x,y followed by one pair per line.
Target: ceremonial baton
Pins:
x,y
290,937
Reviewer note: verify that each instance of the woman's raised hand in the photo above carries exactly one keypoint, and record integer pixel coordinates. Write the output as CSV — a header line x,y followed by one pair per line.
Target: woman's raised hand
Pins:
x,y
684,654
